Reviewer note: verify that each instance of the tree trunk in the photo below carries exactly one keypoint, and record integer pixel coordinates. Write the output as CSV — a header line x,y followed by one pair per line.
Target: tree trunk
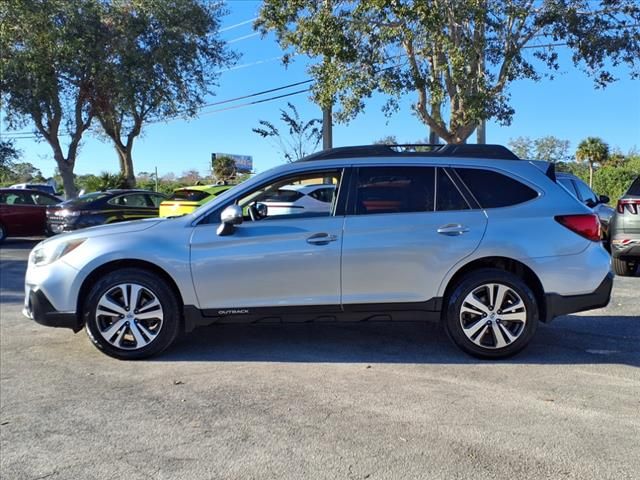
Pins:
x,y
126,164
66,172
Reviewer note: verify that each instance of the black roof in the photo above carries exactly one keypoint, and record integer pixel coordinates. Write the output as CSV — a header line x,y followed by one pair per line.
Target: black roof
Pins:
x,y
497,152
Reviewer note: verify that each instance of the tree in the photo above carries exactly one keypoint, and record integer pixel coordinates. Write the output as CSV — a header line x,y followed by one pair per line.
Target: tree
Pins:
x,y
25,172
388,140
549,148
301,139
9,154
459,56
224,168
592,151
161,59
50,51
190,177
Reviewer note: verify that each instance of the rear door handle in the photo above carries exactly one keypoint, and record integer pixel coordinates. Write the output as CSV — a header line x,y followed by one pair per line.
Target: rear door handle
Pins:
x,y
321,239
452,229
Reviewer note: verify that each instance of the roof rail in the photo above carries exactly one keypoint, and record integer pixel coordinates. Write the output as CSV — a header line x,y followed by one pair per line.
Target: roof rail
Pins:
x,y
498,152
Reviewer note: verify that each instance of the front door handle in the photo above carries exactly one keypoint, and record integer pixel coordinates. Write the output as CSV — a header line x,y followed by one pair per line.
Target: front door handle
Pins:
x,y
452,229
321,239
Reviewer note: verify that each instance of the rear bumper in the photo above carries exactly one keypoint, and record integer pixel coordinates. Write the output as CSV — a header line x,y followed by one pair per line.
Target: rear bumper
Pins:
x,y
38,308
557,305
626,246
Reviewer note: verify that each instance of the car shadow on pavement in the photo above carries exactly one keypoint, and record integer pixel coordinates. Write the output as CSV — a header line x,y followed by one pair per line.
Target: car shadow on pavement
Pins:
x,y
570,340
20,243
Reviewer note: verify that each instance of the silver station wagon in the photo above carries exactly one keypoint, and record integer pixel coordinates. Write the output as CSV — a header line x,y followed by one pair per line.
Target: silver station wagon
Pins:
x,y
466,235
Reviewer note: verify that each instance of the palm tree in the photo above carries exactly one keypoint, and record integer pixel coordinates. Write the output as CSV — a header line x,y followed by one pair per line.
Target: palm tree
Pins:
x,y
592,150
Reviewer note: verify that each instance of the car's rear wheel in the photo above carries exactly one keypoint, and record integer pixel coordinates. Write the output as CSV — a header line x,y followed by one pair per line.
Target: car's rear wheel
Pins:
x,y
3,233
491,313
131,314
624,268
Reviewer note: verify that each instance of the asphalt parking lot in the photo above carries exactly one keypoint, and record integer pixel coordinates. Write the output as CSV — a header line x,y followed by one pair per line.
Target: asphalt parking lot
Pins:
x,y
366,401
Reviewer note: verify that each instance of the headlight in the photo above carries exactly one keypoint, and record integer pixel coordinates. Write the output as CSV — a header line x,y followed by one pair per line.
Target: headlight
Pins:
x,y
69,213
50,252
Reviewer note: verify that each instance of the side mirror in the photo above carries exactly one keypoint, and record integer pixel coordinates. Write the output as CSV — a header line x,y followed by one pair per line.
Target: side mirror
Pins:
x,y
230,216
603,199
590,203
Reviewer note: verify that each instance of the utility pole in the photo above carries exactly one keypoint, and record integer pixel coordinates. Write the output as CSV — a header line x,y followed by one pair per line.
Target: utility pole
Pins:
x,y
327,112
481,132
327,128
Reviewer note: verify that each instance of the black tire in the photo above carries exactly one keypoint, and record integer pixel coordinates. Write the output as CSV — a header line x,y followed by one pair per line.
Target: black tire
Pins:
x,y
3,233
624,268
522,331
151,286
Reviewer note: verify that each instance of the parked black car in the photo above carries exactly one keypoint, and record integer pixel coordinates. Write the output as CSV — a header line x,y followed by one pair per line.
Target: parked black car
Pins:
x,y
598,203
625,232
99,208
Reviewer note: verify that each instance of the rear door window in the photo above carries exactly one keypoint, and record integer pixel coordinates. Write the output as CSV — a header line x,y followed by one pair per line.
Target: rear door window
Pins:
x,y
135,200
395,190
18,198
494,190
448,197
41,199
155,200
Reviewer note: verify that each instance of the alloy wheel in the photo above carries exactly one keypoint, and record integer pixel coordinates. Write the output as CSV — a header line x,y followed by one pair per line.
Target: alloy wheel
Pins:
x,y
129,316
493,316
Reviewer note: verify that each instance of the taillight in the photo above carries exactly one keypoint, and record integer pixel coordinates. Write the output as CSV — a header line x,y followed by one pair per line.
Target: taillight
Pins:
x,y
587,225
628,204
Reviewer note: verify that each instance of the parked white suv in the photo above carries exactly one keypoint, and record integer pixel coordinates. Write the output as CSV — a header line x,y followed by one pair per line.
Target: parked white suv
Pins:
x,y
466,235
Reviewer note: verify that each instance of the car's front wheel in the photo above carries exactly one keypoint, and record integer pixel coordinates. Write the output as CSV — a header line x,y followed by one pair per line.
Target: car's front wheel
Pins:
x,y
491,313
131,314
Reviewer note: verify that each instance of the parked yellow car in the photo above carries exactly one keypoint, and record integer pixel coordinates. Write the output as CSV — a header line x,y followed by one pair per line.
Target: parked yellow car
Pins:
x,y
187,199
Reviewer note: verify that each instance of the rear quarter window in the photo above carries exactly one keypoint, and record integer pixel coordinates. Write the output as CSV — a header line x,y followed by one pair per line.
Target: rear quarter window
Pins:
x,y
493,189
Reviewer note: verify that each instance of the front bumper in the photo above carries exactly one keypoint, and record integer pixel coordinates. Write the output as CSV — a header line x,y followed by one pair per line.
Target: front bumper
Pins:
x,y
38,307
557,305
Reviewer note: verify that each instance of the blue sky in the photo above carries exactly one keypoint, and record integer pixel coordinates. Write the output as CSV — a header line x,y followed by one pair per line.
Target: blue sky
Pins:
x,y
568,107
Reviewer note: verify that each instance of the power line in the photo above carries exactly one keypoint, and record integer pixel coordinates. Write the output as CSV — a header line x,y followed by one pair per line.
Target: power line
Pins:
x,y
244,37
236,25
257,94
255,102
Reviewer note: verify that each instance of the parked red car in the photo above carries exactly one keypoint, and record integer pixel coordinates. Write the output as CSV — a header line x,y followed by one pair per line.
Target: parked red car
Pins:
x,y
23,212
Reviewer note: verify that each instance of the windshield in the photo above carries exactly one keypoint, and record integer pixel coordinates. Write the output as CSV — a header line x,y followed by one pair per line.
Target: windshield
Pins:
x,y
634,189
84,199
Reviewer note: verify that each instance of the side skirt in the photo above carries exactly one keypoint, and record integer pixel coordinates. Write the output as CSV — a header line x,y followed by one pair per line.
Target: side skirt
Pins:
x,y
418,311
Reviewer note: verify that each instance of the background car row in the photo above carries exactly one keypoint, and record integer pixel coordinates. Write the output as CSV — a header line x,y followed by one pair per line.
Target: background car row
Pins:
x,y
27,210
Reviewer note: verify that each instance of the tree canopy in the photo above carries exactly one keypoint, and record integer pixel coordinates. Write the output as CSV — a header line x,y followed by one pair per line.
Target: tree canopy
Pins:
x,y
549,148
456,59
50,50
593,151
224,168
125,62
162,58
